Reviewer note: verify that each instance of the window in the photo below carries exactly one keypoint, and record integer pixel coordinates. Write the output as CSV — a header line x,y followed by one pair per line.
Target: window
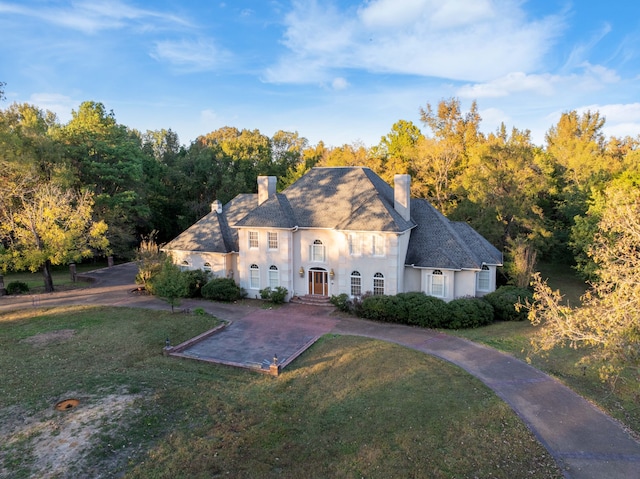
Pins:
x,y
317,251
378,284
254,277
355,244
253,239
274,277
356,284
272,240
207,267
484,278
378,245
184,265
437,284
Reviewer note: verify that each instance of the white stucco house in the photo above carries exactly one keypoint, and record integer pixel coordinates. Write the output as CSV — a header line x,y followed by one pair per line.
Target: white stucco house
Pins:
x,y
339,230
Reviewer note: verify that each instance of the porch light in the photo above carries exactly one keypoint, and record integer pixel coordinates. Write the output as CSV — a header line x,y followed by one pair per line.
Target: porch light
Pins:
x,y
331,273
301,272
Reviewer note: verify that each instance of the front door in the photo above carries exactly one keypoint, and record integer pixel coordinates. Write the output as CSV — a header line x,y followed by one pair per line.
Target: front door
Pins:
x,y
318,282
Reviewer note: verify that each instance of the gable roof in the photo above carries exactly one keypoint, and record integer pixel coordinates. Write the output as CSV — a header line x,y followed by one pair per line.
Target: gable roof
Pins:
x,y
212,232
440,243
342,198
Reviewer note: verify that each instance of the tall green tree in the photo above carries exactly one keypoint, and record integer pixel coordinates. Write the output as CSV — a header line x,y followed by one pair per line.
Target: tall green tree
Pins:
x,y
107,158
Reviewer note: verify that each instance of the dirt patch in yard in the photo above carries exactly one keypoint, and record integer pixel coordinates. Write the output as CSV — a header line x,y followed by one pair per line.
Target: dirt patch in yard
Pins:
x,y
44,339
53,443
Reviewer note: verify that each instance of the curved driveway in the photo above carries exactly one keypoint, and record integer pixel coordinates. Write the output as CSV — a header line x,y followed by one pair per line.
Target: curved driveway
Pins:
x,y
586,443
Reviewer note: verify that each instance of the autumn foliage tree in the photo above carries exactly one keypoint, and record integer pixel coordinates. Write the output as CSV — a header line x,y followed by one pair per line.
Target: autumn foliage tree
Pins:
x,y
608,320
43,225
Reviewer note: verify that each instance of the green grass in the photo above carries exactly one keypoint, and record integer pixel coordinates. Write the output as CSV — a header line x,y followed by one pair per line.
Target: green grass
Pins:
x,y
60,274
347,408
622,401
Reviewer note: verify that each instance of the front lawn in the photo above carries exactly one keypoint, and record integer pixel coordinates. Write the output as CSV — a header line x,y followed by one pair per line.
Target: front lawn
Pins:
x,y
348,407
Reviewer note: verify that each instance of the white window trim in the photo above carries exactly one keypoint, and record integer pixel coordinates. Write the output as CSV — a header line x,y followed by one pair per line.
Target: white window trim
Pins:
x,y
274,277
483,275
317,247
355,244
250,239
271,241
358,276
378,242
254,268
379,278
444,284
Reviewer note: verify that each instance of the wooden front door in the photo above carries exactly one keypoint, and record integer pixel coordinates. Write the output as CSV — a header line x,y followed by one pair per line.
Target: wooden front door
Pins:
x,y
318,282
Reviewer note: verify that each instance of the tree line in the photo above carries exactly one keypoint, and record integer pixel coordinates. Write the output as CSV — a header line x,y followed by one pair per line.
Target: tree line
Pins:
x,y
526,199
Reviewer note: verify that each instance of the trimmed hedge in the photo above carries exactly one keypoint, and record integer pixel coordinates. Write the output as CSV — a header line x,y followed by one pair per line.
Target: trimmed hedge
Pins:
x,y
418,309
222,289
504,300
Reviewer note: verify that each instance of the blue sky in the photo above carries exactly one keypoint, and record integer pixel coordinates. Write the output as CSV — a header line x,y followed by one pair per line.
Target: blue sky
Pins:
x,y
339,71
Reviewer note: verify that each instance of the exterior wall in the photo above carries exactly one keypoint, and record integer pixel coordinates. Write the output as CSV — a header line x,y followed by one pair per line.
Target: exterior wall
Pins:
x,y
222,264
294,253
264,258
412,279
465,283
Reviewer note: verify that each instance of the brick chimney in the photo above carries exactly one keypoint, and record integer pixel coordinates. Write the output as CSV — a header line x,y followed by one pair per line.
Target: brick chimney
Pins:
x,y
266,188
402,195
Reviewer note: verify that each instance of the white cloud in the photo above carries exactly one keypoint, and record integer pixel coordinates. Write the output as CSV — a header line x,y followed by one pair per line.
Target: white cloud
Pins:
x,y
59,104
94,16
622,119
339,83
191,56
469,40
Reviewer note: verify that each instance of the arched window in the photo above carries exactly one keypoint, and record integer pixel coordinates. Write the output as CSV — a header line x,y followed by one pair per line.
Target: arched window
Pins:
x,y
356,284
207,267
437,284
317,252
254,276
274,277
184,265
484,278
378,284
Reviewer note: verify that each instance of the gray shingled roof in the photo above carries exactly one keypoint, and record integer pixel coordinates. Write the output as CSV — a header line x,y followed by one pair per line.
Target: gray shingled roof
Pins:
x,y
212,232
344,198
438,242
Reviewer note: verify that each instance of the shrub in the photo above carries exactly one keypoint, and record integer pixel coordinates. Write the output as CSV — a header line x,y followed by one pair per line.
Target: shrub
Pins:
x,y
196,279
468,313
276,295
17,287
504,300
405,308
170,284
342,302
222,289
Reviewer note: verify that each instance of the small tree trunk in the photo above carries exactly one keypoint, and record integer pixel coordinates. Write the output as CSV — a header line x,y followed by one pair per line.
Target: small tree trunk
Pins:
x,y
48,280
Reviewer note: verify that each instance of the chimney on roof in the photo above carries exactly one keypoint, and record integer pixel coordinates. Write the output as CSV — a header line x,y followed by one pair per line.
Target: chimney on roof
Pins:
x,y
402,195
266,188
216,206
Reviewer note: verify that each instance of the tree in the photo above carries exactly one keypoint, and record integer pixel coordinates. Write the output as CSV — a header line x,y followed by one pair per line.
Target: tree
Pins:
x,y
170,284
107,159
608,320
43,225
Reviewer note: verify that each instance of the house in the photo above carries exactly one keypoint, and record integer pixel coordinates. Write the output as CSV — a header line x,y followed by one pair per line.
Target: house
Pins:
x,y
339,230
